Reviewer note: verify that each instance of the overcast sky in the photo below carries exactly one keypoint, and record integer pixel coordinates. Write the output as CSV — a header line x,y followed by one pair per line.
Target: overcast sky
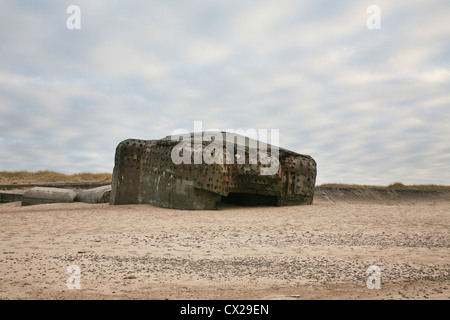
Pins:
x,y
371,106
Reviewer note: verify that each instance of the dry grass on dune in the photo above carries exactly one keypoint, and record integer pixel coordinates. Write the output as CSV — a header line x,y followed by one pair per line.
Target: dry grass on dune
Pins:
x,y
395,185
24,177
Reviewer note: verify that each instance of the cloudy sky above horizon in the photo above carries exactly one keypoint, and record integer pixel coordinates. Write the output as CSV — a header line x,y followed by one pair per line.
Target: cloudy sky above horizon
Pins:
x,y
370,106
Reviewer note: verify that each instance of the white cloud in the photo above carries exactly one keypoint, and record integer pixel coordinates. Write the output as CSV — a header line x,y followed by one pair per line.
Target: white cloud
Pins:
x,y
205,51
436,76
371,106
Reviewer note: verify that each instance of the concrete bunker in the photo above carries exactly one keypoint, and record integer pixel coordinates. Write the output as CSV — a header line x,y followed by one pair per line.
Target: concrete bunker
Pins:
x,y
177,173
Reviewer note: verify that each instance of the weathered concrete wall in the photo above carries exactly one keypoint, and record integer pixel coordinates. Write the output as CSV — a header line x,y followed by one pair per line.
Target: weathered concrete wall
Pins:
x,y
63,185
6,197
145,173
94,195
41,195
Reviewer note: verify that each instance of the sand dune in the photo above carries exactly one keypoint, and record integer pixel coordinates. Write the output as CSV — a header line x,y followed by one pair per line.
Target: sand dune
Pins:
x,y
321,251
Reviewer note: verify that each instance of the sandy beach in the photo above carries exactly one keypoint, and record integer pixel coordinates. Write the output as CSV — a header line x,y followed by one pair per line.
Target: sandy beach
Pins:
x,y
320,251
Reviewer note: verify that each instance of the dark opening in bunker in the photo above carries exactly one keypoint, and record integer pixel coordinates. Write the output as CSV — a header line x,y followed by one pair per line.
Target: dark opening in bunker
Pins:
x,y
249,199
